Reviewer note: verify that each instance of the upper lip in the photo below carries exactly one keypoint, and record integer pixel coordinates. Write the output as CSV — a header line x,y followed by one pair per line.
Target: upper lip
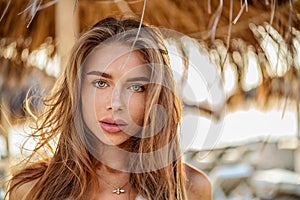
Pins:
x,y
118,122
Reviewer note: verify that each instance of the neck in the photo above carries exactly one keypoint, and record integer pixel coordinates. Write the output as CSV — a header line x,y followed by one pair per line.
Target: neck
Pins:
x,y
113,183
111,175
113,159
112,166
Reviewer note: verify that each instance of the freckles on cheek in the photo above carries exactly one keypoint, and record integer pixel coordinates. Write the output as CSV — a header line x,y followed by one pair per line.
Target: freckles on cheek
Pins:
x,y
88,101
137,111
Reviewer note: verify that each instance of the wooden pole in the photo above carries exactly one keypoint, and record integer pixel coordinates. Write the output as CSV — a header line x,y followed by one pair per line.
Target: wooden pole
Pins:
x,y
297,150
124,7
4,131
67,27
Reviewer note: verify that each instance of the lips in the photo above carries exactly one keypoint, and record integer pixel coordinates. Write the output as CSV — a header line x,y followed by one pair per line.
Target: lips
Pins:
x,y
112,125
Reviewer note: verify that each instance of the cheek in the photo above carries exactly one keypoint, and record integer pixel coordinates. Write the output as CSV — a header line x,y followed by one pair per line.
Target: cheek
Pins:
x,y
91,101
87,106
137,109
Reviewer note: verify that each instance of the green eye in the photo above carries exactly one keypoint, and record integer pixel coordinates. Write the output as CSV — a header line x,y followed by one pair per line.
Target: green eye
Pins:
x,y
137,88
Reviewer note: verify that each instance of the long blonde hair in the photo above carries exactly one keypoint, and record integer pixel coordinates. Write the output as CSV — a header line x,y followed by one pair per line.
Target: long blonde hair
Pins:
x,y
71,172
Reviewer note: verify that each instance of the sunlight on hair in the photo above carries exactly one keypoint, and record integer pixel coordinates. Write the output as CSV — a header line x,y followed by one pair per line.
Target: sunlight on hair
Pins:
x,y
18,136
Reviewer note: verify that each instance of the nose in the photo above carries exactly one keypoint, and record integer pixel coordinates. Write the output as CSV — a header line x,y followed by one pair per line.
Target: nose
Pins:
x,y
117,99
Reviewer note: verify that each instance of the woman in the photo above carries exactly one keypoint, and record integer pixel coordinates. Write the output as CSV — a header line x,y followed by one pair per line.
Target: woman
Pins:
x,y
114,115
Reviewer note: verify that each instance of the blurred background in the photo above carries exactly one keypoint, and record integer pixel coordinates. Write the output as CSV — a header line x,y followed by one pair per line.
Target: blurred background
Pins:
x,y
236,64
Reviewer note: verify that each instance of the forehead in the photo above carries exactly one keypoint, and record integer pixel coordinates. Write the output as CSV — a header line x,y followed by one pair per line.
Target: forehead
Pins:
x,y
115,57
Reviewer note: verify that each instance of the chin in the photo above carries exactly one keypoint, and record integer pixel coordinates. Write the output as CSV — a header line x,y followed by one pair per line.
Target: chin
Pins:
x,y
113,141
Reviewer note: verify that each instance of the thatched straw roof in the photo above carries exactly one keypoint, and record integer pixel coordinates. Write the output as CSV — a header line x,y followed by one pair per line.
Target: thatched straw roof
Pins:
x,y
228,30
199,19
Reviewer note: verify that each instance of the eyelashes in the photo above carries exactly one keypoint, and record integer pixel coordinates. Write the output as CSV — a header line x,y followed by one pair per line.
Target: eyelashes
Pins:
x,y
100,84
134,87
137,87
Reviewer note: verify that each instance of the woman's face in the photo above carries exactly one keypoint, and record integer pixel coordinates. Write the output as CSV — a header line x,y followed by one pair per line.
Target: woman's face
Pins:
x,y
114,91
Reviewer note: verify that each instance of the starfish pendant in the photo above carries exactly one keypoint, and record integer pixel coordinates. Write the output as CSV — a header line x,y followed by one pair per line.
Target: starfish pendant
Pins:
x,y
118,191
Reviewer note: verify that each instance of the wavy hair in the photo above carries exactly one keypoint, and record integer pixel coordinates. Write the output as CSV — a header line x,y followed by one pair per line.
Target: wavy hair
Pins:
x,y
70,173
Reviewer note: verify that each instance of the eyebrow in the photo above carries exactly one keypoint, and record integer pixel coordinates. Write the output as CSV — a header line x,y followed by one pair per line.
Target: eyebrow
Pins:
x,y
138,79
105,75
98,73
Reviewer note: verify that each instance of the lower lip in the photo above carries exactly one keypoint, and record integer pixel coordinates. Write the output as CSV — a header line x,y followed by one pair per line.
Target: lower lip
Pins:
x,y
110,127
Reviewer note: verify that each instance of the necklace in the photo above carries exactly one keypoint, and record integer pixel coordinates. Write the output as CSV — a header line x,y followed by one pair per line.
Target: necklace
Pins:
x,y
116,190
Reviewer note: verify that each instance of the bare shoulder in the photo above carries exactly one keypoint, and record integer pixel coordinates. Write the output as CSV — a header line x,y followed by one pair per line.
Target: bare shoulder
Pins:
x,y
197,184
